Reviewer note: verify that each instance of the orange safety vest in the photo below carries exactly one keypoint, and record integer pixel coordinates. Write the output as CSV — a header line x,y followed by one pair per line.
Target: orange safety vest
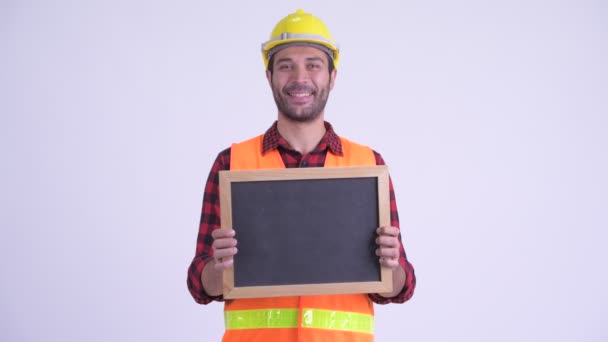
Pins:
x,y
325,318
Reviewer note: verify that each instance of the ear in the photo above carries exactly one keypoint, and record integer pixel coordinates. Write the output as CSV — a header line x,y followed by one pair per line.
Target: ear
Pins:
x,y
332,78
269,77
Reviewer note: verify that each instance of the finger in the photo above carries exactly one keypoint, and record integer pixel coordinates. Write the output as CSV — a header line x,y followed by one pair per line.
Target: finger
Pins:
x,y
387,252
387,241
218,254
387,231
223,233
224,264
224,258
389,262
223,243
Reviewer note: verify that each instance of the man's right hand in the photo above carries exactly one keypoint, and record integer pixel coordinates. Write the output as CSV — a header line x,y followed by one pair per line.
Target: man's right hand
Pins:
x,y
224,248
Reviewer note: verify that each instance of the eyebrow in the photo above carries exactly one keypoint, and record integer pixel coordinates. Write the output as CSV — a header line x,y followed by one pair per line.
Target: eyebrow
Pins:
x,y
308,59
315,59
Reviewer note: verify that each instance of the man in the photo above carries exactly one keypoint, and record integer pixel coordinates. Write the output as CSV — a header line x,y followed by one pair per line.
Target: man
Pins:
x,y
301,60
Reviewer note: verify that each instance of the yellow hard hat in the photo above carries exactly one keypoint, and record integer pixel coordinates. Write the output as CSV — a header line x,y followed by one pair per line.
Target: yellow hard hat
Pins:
x,y
304,28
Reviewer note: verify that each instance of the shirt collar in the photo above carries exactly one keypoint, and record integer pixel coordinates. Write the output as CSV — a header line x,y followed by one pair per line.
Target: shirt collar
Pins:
x,y
273,140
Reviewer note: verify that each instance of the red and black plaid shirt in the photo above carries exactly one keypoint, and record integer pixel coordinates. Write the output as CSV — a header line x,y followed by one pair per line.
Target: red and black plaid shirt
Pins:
x,y
210,218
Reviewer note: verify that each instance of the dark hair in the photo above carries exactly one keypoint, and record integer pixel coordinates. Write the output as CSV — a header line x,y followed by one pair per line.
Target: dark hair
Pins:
x,y
330,64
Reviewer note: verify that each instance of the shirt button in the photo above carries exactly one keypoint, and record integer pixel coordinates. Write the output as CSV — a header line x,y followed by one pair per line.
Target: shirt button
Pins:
x,y
304,164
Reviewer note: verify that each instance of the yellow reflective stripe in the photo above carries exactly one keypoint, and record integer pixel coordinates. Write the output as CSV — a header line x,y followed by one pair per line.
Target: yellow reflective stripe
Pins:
x,y
338,320
264,318
288,318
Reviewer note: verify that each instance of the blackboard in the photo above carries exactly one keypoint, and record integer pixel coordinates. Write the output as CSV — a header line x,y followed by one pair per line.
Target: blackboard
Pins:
x,y
305,231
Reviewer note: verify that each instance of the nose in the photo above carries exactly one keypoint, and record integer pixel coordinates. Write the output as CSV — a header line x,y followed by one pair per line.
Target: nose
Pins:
x,y
300,74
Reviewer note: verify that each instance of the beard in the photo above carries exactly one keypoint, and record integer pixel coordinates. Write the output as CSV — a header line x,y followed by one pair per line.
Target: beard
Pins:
x,y
296,113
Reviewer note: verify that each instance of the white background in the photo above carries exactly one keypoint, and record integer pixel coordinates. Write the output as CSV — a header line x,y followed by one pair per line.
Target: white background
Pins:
x,y
492,116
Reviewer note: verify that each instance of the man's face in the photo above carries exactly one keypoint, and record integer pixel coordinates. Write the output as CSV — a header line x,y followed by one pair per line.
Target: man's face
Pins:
x,y
301,82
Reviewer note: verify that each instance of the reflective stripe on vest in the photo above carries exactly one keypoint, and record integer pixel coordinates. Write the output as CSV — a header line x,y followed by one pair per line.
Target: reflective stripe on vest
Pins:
x,y
288,318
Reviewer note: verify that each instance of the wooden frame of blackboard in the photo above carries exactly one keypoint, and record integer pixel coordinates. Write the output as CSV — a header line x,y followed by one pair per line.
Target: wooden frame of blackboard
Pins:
x,y
381,283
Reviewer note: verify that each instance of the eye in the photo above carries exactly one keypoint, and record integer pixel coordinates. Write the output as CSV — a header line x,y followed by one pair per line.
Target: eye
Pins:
x,y
284,67
314,66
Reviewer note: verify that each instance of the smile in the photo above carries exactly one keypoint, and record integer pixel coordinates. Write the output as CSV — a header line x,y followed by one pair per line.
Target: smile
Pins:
x,y
300,94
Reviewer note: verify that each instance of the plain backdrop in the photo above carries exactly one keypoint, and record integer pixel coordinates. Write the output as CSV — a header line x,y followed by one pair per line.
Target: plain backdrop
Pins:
x,y
492,117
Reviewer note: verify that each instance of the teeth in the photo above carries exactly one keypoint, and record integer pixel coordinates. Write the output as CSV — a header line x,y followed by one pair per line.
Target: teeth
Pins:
x,y
300,95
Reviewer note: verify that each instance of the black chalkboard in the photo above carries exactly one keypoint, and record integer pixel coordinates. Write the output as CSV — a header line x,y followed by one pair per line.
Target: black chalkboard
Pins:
x,y
298,228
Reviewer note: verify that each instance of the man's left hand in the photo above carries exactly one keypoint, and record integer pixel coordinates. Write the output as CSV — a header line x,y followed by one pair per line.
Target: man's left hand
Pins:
x,y
388,246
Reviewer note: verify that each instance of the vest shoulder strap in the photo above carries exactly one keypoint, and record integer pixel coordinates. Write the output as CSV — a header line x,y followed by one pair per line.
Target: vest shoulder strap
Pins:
x,y
247,155
353,154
